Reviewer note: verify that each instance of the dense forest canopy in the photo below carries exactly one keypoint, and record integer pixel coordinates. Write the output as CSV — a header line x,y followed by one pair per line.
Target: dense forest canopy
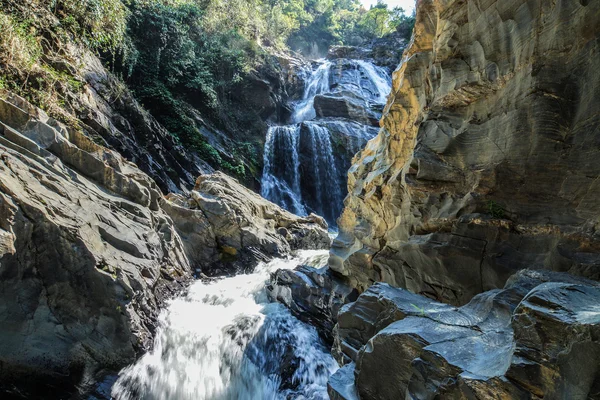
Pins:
x,y
277,23
184,55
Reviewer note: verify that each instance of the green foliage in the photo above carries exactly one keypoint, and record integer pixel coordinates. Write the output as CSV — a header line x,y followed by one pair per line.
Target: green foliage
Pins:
x,y
19,45
101,24
337,22
421,310
187,61
495,210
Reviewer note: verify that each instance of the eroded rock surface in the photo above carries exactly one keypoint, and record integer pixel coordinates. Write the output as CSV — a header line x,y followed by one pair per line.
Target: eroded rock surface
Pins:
x,y
486,162
314,295
536,338
86,253
223,223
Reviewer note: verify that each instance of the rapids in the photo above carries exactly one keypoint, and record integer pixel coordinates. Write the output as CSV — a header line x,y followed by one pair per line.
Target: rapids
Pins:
x,y
225,340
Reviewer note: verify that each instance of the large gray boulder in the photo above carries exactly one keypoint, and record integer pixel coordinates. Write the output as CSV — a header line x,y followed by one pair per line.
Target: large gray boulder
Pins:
x,y
224,224
86,254
340,105
314,295
536,338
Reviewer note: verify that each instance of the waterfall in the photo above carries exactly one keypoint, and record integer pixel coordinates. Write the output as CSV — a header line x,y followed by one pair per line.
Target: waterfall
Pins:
x,y
379,77
303,171
281,173
224,340
325,173
317,83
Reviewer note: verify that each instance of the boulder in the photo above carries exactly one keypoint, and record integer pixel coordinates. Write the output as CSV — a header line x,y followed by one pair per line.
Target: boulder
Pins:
x,y
375,309
224,224
535,338
340,106
87,256
314,295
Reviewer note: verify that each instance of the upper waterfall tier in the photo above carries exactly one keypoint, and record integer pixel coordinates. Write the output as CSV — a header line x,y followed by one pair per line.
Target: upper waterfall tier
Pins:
x,y
305,162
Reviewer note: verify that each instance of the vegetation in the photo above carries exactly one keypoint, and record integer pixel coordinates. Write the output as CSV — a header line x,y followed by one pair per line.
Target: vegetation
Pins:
x,y
187,61
495,210
24,69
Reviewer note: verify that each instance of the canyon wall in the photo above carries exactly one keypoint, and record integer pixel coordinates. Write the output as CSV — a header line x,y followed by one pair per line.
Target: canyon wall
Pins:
x,y
486,161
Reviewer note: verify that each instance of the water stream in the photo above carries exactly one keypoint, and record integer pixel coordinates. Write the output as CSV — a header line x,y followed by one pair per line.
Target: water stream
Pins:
x,y
225,340
305,162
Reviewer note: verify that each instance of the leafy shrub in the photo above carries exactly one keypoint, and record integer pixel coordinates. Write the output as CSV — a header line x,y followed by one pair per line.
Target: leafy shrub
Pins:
x,y
495,210
102,24
19,46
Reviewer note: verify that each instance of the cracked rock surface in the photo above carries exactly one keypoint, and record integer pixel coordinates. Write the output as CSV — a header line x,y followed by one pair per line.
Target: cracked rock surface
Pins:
x,y
225,226
486,161
87,256
536,338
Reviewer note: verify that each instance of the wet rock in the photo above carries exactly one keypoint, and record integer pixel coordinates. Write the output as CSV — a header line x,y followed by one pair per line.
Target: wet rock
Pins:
x,y
341,384
375,309
523,341
222,222
86,254
340,106
384,52
314,295
484,163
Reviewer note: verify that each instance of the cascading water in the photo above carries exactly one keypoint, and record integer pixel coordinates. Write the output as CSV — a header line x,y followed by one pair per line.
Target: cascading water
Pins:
x,y
304,170
317,83
324,171
224,340
379,77
281,175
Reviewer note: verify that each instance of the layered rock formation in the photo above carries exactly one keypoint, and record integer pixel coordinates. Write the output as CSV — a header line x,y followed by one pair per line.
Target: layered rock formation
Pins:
x,y
536,338
223,224
486,159
86,254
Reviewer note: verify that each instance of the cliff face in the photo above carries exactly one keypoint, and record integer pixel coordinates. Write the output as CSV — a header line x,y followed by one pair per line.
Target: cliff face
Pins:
x,y
87,256
486,162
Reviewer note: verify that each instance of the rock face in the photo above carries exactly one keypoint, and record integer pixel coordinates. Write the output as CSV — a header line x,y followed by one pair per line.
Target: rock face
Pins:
x,y
86,253
385,52
109,113
314,295
222,223
486,162
536,338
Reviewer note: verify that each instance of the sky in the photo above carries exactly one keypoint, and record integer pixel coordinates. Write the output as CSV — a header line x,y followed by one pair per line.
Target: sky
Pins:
x,y
408,5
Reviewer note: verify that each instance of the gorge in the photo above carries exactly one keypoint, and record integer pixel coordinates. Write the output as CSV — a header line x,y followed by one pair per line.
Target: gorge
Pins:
x,y
426,233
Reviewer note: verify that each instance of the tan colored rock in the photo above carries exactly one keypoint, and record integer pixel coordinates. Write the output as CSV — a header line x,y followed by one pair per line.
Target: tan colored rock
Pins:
x,y
486,162
221,222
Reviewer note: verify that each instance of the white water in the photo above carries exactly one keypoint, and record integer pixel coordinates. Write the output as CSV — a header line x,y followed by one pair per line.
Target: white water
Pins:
x,y
317,83
379,77
283,187
301,171
324,169
224,340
